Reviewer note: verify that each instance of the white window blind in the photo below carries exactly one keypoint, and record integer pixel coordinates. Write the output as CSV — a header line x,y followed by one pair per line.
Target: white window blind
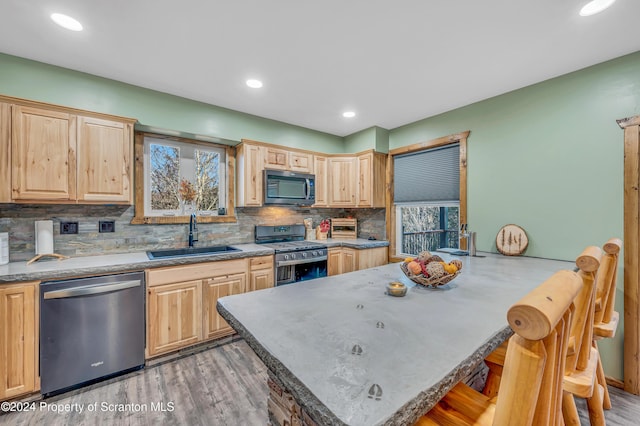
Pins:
x,y
429,175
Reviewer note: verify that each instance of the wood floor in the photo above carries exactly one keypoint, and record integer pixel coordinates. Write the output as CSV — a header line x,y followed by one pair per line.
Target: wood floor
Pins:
x,y
225,385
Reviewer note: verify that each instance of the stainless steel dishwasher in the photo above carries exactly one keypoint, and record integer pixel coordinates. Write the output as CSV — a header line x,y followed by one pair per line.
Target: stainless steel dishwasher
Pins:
x,y
90,329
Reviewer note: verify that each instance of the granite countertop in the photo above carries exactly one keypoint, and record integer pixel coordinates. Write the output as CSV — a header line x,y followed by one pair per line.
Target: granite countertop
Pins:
x,y
49,268
358,243
113,263
350,354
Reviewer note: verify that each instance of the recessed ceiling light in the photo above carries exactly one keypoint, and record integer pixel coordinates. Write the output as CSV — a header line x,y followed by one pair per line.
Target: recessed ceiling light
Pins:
x,y
348,114
254,84
595,6
66,22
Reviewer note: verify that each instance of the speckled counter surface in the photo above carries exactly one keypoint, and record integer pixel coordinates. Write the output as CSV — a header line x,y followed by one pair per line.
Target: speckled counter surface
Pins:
x,y
359,243
50,268
350,354
47,269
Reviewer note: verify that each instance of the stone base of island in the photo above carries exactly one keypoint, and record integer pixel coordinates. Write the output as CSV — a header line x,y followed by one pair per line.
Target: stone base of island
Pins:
x,y
340,351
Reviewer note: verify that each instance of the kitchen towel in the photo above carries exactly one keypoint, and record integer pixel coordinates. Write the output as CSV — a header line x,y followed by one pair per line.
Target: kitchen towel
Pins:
x,y
44,237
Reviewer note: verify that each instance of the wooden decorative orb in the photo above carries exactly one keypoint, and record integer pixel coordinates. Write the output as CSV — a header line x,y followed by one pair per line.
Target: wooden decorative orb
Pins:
x,y
512,240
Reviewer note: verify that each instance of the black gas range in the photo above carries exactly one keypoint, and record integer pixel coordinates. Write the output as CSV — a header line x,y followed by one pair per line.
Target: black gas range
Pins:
x,y
296,259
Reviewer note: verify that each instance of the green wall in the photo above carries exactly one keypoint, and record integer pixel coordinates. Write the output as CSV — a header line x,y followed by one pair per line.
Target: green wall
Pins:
x,y
548,157
372,138
37,81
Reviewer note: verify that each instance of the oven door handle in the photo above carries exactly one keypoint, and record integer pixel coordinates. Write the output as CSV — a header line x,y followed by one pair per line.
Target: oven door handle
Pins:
x,y
90,290
300,261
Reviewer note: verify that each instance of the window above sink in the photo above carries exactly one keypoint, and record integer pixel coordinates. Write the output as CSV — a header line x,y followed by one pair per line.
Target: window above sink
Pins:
x,y
176,177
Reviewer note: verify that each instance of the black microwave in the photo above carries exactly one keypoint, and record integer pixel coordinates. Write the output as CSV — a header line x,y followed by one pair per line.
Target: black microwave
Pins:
x,y
282,187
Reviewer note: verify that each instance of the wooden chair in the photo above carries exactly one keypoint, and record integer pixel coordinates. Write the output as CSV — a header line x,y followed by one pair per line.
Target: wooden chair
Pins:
x,y
606,318
582,358
531,386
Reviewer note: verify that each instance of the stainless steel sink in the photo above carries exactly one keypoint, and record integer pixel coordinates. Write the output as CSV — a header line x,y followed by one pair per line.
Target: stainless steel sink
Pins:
x,y
190,251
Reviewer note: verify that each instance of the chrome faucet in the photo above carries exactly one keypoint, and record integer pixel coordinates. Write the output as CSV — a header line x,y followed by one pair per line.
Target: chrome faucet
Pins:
x,y
193,229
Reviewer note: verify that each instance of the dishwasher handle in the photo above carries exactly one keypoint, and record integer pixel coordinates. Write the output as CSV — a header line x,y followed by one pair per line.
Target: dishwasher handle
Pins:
x,y
90,290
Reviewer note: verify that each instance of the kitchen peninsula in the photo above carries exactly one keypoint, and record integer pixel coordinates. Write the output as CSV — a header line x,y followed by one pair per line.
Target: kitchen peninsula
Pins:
x,y
350,354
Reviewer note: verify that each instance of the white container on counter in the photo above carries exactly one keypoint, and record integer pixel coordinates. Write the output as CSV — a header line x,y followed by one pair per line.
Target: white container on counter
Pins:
x,y
4,248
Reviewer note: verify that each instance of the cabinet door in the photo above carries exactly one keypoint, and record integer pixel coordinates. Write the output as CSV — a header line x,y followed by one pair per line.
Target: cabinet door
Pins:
x,y
104,160
215,288
5,153
371,179
18,326
369,258
334,261
174,316
261,274
250,167
276,159
43,154
342,182
349,260
320,168
300,162
261,279
365,180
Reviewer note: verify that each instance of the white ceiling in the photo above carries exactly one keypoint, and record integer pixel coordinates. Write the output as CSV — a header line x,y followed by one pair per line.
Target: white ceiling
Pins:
x,y
393,62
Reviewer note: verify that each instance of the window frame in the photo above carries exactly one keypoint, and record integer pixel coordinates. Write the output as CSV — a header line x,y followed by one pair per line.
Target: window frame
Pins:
x,y
398,206
142,179
390,214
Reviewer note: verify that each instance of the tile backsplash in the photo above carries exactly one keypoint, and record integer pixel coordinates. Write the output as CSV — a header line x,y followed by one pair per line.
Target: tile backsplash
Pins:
x,y
18,220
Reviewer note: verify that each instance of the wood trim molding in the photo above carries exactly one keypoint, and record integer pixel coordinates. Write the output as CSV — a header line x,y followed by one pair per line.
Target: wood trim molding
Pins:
x,y
390,215
5,152
61,108
445,140
631,128
140,219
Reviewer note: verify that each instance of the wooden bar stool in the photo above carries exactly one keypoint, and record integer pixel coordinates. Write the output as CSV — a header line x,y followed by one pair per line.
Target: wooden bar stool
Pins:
x,y
531,387
582,358
606,318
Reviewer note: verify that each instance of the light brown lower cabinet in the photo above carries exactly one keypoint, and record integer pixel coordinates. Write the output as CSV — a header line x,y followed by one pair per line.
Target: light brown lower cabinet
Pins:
x,y
261,273
181,300
18,339
214,288
174,316
341,260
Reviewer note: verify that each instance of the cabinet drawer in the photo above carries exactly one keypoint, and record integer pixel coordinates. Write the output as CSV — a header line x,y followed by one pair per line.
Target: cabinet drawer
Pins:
x,y
263,262
196,271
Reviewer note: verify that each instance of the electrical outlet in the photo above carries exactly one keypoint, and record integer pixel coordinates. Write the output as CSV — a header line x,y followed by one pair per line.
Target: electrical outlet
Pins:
x,y
106,226
68,228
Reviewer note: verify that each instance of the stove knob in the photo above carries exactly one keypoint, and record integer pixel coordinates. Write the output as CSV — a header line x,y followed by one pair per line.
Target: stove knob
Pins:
x,y
286,257
304,254
293,256
315,253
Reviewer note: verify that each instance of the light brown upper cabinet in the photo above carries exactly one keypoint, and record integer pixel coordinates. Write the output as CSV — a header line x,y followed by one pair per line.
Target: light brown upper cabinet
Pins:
x,y
63,155
342,181
301,162
43,146
321,172
249,179
275,158
5,152
371,182
104,155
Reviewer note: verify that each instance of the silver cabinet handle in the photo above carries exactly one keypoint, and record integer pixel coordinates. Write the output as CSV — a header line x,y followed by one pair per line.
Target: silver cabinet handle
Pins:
x,y
90,289
308,188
